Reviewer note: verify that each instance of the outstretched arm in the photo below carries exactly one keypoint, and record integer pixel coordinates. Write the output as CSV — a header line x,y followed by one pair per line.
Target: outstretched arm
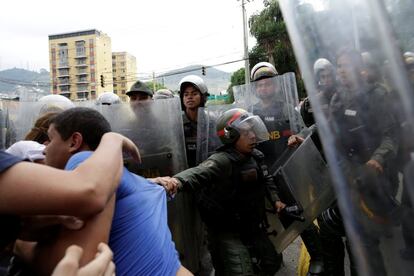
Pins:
x,y
30,189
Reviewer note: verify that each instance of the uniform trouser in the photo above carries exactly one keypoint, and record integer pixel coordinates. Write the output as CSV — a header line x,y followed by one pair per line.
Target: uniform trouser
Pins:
x,y
333,248
242,254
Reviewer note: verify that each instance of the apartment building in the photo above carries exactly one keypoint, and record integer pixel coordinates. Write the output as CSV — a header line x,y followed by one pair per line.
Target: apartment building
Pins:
x,y
124,71
80,64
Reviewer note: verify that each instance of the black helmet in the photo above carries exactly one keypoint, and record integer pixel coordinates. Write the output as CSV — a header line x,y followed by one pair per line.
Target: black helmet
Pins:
x,y
139,86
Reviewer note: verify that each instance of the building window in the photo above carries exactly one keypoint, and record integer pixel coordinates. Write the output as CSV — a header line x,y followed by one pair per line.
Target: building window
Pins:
x,y
122,78
115,85
113,70
122,63
115,91
80,48
63,54
93,93
113,57
123,84
123,91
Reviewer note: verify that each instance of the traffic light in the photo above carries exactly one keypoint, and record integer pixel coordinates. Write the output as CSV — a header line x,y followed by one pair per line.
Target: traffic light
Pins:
x,y
102,81
203,71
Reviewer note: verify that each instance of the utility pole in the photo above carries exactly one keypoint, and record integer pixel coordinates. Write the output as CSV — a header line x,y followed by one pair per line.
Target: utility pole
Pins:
x,y
246,47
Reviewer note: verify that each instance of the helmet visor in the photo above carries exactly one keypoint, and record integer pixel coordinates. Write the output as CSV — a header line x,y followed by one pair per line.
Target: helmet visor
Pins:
x,y
252,124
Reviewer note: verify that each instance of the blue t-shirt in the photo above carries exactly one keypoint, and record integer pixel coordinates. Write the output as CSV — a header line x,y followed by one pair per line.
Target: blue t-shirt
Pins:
x,y
8,160
139,237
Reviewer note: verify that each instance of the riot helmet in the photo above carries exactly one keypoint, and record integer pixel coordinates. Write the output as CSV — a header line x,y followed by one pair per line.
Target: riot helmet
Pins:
x,y
140,87
54,103
232,123
263,70
163,94
322,65
197,83
108,98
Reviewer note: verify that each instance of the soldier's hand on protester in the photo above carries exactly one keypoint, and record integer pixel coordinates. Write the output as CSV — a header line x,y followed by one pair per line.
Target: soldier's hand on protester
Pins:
x,y
35,228
128,146
169,183
295,140
279,205
102,265
375,165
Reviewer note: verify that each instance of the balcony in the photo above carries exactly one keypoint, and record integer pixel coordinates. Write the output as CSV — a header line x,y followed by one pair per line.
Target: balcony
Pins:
x,y
81,72
63,66
82,64
65,93
64,76
64,84
82,81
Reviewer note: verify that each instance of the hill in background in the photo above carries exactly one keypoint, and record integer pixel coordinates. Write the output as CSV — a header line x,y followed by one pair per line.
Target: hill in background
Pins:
x,y
12,81
216,80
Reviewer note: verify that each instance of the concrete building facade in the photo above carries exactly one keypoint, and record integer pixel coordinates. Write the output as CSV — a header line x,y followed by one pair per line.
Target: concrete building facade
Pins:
x,y
80,64
124,71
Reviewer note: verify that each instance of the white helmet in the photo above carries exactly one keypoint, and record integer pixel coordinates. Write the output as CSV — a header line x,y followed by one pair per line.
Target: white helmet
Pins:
x,y
163,94
263,70
322,64
51,103
196,81
108,98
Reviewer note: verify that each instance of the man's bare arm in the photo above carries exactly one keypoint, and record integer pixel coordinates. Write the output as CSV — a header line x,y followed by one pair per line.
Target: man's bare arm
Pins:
x,y
97,228
30,189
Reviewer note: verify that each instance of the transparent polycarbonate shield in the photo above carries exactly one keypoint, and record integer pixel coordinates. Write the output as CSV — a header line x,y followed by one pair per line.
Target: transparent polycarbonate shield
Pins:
x,y
156,128
273,98
274,101
303,182
23,114
368,129
207,139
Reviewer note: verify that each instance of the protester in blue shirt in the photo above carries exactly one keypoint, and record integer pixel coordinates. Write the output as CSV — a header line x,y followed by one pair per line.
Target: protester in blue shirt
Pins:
x,y
139,235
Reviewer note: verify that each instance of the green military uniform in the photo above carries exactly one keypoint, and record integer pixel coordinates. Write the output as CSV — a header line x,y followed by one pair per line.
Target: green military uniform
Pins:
x,y
231,190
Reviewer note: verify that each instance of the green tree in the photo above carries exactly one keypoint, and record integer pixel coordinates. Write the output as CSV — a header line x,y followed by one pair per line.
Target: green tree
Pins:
x,y
237,78
273,43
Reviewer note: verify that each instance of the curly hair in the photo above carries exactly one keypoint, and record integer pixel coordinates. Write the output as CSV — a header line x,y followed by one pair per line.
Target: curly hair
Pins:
x,y
38,132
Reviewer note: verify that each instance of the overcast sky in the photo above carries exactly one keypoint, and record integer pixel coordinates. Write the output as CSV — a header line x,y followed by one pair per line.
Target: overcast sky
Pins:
x,y
162,35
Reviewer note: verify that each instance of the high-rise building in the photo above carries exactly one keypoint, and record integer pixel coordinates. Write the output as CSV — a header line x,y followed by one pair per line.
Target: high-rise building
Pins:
x,y
124,71
80,64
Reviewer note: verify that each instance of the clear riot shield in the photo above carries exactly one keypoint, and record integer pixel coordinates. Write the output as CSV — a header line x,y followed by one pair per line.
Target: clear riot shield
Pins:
x,y
156,127
274,101
23,114
367,133
298,172
305,187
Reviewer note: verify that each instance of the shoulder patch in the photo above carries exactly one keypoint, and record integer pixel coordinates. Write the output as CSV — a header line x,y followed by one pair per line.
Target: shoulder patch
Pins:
x,y
208,163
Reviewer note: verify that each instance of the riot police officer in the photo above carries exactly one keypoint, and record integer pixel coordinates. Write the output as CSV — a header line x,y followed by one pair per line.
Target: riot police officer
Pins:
x,y
274,112
232,185
193,94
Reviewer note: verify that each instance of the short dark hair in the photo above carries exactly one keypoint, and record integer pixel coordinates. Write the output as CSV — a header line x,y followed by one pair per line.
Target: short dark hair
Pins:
x,y
88,122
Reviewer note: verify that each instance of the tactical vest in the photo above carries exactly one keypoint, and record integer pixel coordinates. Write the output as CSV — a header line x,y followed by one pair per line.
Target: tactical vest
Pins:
x,y
190,135
237,202
277,123
356,122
